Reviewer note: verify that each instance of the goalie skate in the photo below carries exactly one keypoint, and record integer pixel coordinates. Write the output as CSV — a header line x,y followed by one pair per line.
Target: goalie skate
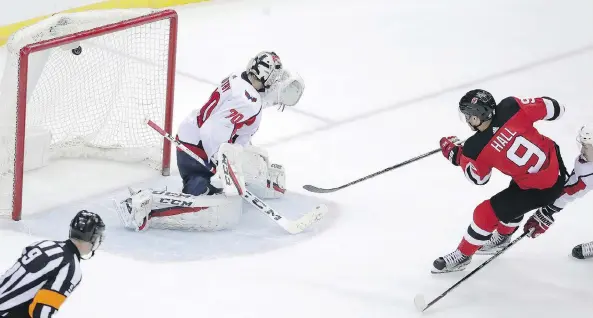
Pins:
x,y
133,212
452,262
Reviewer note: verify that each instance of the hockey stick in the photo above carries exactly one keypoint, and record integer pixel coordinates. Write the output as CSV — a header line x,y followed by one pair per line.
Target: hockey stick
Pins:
x,y
291,226
419,300
315,189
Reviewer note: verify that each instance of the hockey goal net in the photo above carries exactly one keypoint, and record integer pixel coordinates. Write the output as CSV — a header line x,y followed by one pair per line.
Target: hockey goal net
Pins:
x,y
82,85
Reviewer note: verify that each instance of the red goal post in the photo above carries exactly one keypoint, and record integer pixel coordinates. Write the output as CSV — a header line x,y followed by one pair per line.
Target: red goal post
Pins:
x,y
121,96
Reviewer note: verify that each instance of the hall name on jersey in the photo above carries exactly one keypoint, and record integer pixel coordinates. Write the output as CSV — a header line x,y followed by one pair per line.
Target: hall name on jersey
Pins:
x,y
502,139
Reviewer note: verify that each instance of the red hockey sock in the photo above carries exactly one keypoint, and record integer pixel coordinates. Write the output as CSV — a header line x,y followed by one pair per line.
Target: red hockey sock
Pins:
x,y
479,232
507,228
504,229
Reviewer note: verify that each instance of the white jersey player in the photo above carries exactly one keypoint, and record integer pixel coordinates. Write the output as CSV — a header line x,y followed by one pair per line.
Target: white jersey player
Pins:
x,y
579,183
231,116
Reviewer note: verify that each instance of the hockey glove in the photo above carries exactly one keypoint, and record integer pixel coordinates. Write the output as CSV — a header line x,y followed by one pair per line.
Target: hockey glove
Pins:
x,y
451,149
540,221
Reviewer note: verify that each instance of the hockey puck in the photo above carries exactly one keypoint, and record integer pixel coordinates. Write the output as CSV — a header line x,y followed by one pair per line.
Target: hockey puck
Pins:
x,y
77,50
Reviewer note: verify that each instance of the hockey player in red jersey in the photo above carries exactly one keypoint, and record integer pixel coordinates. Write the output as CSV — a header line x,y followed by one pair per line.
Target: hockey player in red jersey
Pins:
x,y
579,183
505,139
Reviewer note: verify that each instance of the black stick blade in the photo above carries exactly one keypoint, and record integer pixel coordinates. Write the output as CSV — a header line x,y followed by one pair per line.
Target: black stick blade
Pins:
x,y
315,189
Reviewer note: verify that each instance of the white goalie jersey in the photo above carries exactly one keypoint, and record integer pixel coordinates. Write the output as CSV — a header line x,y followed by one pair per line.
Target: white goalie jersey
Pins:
x,y
233,112
231,115
579,183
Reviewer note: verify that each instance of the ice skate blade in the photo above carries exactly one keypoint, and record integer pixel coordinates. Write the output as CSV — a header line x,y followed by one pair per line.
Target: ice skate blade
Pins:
x,y
436,271
487,253
420,302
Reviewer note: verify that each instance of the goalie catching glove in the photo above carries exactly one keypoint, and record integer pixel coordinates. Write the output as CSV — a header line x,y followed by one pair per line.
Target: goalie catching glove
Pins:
x,y
286,91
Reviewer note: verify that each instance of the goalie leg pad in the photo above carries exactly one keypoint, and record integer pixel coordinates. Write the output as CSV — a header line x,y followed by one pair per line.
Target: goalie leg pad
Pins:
x,y
277,181
229,171
272,186
181,211
265,180
254,162
254,151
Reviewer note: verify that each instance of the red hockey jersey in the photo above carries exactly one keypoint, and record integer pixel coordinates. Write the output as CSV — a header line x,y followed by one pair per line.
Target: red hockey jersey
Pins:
x,y
514,146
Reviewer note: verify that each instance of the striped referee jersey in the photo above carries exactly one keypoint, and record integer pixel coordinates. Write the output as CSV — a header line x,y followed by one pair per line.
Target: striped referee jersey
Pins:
x,y
40,281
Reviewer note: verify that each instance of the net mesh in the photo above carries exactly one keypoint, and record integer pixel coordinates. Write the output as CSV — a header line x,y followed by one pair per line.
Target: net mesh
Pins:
x,y
89,98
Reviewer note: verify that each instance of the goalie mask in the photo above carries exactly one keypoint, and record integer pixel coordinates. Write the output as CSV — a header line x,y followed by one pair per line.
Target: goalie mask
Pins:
x,y
266,67
281,87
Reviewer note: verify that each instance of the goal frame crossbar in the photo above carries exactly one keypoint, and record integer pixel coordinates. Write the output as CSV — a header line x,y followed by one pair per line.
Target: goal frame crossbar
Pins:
x,y
23,70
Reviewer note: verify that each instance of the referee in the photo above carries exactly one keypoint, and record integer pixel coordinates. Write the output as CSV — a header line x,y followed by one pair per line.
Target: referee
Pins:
x,y
48,271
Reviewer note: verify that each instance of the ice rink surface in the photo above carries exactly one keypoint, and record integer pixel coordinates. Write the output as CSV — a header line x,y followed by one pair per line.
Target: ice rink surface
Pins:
x,y
383,81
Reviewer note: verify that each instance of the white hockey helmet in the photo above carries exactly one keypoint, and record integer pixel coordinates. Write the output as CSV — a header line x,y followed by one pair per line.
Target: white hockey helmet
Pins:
x,y
266,67
586,134
585,139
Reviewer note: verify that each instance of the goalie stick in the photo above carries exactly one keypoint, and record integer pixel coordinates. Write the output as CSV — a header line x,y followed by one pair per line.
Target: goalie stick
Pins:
x,y
419,300
315,189
291,226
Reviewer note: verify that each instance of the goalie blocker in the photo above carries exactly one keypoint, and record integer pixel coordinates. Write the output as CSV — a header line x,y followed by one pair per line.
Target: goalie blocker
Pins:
x,y
177,210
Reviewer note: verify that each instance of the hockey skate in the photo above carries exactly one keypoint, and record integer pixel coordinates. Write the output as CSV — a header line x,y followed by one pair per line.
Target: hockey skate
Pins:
x,y
583,251
133,212
451,262
496,243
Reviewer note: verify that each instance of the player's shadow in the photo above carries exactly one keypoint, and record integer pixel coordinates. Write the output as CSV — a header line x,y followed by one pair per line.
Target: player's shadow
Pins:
x,y
255,233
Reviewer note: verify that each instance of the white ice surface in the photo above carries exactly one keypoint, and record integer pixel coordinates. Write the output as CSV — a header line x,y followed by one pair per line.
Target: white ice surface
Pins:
x,y
383,80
